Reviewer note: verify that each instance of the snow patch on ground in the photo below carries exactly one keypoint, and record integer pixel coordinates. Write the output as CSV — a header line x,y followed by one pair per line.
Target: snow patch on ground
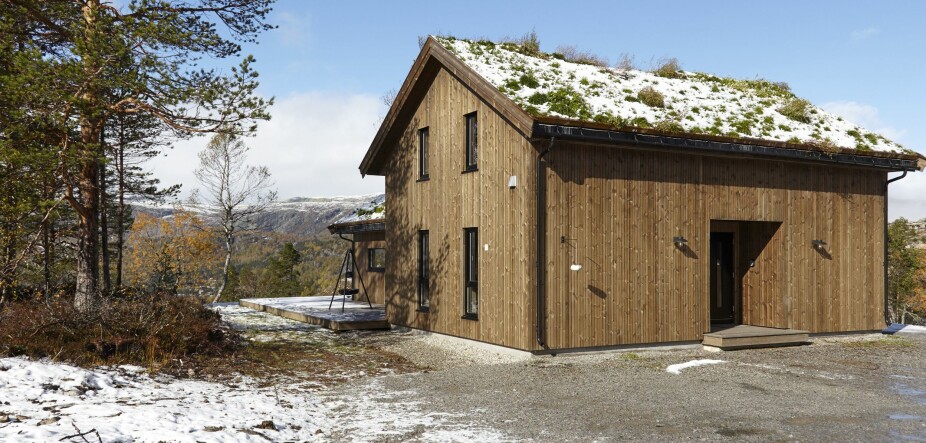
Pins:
x,y
677,368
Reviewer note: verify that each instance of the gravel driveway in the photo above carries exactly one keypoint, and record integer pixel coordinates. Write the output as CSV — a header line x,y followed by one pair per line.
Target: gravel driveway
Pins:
x,y
851,388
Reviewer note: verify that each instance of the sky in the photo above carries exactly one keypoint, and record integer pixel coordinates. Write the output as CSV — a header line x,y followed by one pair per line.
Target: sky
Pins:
x,y
328,65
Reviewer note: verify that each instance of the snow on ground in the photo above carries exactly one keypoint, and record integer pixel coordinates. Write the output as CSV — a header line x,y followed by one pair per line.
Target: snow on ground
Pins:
x,y
677,368
44,401
700,103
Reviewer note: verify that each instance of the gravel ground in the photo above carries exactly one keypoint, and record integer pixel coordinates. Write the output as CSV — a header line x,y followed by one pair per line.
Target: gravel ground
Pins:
x,y
850,388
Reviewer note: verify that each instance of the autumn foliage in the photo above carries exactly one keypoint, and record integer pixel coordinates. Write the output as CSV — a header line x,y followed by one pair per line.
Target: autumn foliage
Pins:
x,y
178,254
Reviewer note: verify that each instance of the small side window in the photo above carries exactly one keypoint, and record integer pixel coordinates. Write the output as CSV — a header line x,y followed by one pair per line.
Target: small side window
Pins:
x,y
423,152
472,142
376,259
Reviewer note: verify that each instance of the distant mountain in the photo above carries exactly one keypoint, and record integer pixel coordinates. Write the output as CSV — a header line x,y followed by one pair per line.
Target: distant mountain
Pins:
x,y
304,216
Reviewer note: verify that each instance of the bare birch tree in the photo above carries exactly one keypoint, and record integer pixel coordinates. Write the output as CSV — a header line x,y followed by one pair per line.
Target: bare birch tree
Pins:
x,y
235,191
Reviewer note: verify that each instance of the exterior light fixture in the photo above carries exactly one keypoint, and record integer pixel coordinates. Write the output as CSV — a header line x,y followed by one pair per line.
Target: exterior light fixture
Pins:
x,y
679,241
575,266
818,244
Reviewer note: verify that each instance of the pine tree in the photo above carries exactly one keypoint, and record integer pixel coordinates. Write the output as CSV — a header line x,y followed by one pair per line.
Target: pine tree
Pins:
x,y
95,60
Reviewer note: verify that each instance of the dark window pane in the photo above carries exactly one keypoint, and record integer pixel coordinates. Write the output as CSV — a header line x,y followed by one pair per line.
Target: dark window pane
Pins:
x,y
472,141
471,271
423,166
376,259
424,285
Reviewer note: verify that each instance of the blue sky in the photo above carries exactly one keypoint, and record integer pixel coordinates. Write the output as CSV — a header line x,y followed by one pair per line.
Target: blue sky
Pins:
x,y
329,63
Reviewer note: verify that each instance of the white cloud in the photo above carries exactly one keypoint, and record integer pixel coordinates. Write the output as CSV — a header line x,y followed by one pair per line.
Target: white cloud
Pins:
x,y
313,145
905,197
866,116
864,34
293,29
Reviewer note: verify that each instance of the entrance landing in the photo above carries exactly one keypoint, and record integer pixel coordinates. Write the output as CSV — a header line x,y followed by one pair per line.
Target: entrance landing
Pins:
x,y
746,336
314,310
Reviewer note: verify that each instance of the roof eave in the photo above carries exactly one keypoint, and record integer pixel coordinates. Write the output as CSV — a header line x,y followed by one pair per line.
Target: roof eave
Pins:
x,y
546,127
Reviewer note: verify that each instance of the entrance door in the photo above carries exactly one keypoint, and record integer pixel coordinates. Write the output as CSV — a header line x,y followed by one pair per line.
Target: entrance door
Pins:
x,y
723,279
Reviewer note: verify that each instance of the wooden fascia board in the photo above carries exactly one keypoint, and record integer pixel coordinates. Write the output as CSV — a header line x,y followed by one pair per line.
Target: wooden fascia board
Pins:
x,y
431,52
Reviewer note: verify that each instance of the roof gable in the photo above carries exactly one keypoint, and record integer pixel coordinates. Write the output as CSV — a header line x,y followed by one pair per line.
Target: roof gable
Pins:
x,y
431,59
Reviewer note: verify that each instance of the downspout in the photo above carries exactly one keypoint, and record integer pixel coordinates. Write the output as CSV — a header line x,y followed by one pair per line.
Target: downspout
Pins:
x,y
887,318
541,237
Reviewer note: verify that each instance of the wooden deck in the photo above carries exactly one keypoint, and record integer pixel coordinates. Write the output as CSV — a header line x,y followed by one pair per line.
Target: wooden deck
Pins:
x,y
746,336
314,310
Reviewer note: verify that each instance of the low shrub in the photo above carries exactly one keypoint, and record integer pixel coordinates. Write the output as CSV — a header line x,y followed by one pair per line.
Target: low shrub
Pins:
x,y
796,109
668,126
668,68
152,331
651,97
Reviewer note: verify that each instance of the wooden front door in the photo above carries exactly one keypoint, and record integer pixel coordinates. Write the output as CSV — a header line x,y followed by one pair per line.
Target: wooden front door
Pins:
x,y
723,278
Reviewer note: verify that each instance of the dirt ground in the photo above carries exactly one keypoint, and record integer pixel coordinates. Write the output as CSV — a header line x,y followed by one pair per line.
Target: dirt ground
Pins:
x,y
867,387
851,388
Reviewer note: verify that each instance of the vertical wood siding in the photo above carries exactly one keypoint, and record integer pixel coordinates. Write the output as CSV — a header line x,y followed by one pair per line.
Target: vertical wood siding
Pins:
x,y
624,206
449,202
375,281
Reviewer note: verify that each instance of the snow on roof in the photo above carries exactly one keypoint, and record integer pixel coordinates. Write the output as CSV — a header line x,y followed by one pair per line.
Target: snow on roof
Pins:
x,y
667,99
374,210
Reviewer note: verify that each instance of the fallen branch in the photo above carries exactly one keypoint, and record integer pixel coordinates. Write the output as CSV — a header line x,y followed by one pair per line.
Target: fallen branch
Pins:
x,y
80,434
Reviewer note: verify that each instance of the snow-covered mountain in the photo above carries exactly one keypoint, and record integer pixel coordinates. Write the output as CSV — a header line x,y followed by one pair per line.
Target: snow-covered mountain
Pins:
x,y
300,215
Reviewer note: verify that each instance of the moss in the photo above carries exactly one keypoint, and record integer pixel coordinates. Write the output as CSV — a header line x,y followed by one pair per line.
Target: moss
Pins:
x,y
631,98
627,91
872,138
565,101
669,126
743,126
614,121
640,122
527,79
785,128
715,88
651,97
584,81
696,110
794,140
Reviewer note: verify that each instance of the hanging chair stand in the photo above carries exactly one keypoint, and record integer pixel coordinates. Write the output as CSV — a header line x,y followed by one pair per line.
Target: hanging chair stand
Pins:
x,y
345,286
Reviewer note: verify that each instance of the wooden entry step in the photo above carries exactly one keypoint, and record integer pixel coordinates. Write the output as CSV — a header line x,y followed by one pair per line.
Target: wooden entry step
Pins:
x,y
747,336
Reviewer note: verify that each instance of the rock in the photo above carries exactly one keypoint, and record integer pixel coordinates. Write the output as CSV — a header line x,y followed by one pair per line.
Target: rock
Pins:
x,y
213,428
4,418
266,424
49,421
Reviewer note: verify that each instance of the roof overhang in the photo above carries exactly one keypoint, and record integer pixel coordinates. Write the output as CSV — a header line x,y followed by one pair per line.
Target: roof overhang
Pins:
x,y
358,227
562,129
432,58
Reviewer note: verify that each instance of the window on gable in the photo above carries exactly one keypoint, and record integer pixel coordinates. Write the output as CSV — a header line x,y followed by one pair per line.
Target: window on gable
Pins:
x,y
424,272
472,142
423,161
471,273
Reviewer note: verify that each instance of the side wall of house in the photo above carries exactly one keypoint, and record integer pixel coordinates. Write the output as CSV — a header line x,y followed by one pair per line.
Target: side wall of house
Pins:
x,y
375,281
620,208
452,200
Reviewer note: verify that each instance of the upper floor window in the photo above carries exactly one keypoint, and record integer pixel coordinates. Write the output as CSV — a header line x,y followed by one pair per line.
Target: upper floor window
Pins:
x,y
376,259
423,154
472,142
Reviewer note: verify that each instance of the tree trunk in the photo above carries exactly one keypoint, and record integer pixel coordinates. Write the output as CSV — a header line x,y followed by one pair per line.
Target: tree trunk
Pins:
x,y
104,226
46,257
228,253
120,228
87,291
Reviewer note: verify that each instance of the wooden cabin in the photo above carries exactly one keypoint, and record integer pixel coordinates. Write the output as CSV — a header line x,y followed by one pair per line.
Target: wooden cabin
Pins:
x,y
367,238
512,222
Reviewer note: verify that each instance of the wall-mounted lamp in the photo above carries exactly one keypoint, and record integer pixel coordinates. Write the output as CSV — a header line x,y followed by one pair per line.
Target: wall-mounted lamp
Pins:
x,y
818,244
575,266
679,241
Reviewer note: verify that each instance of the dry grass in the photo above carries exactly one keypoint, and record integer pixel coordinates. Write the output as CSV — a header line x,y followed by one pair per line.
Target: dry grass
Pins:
x,y
152,331
651,97
669,68
574,55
